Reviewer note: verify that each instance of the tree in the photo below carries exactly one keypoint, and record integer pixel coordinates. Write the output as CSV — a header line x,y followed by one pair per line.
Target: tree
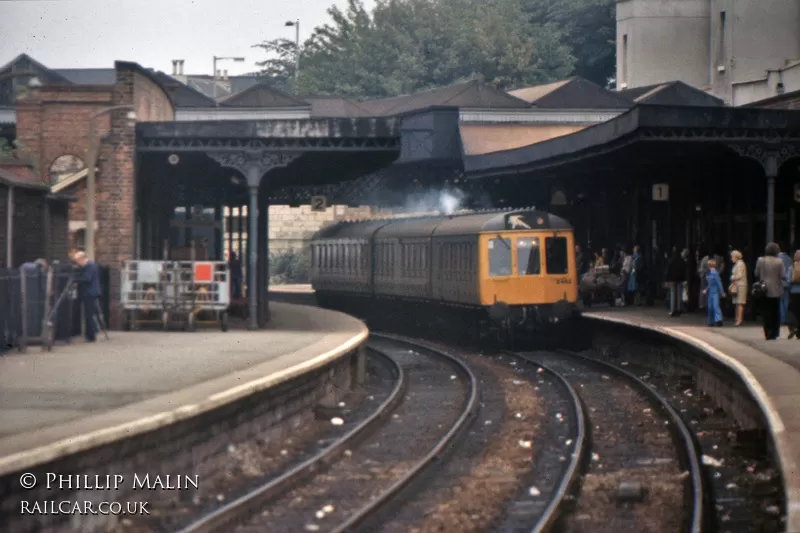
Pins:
x,y
280,65
404,46
588,28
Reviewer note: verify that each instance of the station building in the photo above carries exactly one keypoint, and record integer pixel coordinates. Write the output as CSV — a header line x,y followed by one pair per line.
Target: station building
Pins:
x,y
658,165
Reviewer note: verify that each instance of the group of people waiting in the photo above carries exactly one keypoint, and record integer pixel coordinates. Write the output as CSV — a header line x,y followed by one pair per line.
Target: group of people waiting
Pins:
x,y
632,269
776,287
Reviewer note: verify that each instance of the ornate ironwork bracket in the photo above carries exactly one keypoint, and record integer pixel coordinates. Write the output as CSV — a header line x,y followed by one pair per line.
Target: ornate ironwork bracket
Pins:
x,y
253,164
770,155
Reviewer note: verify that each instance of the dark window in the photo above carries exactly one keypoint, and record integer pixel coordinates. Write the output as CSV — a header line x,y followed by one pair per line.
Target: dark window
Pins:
x,y
556,255
529,260
500,257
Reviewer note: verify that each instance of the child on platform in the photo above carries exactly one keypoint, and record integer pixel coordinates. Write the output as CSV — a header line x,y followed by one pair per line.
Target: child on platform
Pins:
x,y
714,291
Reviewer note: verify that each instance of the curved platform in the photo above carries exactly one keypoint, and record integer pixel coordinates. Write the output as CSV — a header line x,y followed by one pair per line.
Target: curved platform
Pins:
x,y
86,395
770,369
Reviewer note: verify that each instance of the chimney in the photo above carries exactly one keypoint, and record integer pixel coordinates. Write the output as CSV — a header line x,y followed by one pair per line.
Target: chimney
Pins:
x,y
174,67
225,75
180,67
219,73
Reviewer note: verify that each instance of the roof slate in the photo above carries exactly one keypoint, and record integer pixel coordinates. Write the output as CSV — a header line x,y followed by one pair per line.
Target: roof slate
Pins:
x,y
335,106
471,94
183,95
263,95
88,76
572,93
671,93
19,174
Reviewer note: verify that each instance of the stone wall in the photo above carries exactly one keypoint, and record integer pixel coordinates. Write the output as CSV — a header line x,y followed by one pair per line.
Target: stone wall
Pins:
x,y
291,228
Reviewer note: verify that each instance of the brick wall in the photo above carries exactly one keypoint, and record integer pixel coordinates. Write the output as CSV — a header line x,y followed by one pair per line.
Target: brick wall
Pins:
x,y
116,184
54,121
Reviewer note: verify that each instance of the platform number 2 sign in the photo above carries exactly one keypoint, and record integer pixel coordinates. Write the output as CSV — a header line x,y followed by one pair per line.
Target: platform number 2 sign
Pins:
x,y
319,203
660,192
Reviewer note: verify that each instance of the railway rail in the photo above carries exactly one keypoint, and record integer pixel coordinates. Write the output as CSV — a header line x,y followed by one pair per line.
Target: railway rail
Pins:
x,y
374,462
630,454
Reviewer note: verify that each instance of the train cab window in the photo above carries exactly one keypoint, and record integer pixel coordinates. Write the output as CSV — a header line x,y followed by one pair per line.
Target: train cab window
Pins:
x,y
556,255
500,257
529,259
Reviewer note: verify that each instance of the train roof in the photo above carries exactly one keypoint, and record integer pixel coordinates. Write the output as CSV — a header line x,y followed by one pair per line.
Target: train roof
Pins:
x,y
469,223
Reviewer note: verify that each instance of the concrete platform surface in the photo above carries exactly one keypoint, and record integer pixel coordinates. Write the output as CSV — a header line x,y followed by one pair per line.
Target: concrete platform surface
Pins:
x,y
84,394
771,370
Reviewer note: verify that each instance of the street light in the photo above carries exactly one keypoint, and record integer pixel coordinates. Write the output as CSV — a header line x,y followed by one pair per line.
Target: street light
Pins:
x,y
216,58
94,149
296,25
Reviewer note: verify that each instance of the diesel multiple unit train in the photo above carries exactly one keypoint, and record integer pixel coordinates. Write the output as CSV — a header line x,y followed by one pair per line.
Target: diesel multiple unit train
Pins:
x,y
497,274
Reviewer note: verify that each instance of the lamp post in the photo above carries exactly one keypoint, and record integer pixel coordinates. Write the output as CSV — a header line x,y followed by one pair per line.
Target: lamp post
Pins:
x,y
34,82
296,25
217,58
94,149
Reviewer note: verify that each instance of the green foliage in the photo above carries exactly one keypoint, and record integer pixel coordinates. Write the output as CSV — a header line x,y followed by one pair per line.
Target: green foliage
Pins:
x,y
280,64
405,46
289,267
588,26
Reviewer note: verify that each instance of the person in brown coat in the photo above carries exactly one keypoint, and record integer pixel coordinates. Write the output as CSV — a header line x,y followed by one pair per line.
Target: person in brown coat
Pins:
x,y
771,270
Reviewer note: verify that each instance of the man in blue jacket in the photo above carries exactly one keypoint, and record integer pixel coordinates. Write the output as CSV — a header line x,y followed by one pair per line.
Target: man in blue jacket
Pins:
x,y
88,292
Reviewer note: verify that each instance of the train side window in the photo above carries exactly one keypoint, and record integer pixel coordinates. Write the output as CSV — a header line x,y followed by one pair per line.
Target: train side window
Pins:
x,y
500,257
529,259
556,255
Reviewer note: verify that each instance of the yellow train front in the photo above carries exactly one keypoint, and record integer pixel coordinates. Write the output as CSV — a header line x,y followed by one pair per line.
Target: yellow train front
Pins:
x,y
496,274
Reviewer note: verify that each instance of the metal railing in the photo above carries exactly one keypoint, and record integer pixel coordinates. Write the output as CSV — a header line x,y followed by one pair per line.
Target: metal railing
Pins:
x,y
40,306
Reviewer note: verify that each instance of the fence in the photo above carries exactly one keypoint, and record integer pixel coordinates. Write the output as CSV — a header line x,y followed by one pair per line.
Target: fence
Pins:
x,y
31,298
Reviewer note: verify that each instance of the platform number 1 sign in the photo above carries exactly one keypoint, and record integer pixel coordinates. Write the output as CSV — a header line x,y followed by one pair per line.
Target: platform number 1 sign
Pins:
x,y
660,192
319,203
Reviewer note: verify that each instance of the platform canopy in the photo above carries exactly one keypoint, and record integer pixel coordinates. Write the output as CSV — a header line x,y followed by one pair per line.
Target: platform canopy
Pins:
x,y
752,132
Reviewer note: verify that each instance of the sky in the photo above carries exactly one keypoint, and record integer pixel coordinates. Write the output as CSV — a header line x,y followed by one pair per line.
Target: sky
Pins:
x,y
95,33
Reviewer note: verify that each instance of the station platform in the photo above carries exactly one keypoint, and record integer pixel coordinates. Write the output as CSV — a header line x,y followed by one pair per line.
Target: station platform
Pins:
x,y
87,394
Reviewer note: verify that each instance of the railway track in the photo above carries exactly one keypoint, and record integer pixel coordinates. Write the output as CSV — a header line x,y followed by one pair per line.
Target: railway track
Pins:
x,y
360,475
642,463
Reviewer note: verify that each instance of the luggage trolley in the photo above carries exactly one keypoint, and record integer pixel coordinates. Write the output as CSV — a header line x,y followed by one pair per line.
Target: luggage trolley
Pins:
x,y
211,292
143,293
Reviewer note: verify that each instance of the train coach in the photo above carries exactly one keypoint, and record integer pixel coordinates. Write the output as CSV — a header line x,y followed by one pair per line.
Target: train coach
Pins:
x,y
497,274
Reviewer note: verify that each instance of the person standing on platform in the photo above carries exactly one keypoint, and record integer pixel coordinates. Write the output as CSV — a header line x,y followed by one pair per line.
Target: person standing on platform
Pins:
x,y
580,262
702,273
628,280
235,272
738,288
771,270
88,292
714,293
787,264
794,298
675,278
637,282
